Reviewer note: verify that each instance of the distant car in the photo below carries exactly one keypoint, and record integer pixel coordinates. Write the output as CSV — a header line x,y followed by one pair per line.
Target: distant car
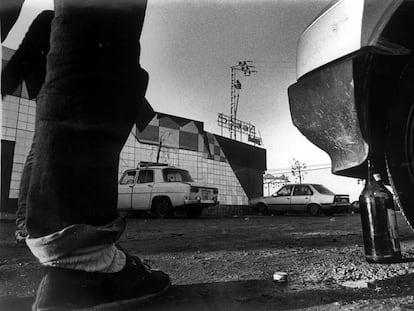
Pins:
x,y
306,198
162,189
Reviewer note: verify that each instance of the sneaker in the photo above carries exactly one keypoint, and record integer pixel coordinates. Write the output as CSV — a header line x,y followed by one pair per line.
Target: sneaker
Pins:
x,y
65,289
20,236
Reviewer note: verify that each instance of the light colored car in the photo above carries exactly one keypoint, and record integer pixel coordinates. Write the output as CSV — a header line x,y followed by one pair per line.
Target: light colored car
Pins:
x,y
162,189
305,198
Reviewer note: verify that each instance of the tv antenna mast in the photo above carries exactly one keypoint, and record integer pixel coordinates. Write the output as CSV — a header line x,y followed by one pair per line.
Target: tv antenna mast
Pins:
x,y
247,69
231,122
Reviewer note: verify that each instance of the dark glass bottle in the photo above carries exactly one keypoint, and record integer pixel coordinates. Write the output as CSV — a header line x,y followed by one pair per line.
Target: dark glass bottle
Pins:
x,y
379,222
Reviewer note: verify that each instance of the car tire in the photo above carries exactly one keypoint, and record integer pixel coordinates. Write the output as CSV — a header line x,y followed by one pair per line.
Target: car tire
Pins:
x,y
399,147
162,208
262,209
314,210
194,212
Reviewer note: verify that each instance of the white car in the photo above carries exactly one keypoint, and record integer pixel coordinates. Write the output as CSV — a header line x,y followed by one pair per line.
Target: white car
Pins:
x,y
162,189
306,198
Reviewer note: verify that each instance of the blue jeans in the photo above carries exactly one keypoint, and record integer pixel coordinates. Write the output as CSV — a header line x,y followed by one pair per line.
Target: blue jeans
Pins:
x,y
85,112
23,190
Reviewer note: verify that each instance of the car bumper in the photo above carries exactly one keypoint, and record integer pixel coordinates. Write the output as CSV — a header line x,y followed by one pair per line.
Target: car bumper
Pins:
x,y
323,107
330,107
336,208
204,203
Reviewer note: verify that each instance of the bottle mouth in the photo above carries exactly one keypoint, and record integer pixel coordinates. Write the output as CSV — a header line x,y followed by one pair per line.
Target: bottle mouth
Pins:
x,y
377,177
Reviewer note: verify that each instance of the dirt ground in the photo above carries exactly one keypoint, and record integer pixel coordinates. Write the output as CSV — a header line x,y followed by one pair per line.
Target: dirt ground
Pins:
x,y
228,264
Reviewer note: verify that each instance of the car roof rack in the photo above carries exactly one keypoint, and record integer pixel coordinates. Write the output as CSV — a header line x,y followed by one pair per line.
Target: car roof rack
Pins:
x,y
142,164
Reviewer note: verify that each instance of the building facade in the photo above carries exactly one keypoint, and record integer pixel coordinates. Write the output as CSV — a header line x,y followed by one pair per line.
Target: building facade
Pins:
x,y
235,168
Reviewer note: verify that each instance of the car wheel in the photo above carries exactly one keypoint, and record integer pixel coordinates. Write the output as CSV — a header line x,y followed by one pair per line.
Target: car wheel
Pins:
x,y
400,143
262,209
314,210
162,208
194,212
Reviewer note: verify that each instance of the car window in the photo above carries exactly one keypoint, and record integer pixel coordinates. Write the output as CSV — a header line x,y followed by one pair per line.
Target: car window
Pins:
x,y
128,178
322,189
145,176
302,190
173,175
285,191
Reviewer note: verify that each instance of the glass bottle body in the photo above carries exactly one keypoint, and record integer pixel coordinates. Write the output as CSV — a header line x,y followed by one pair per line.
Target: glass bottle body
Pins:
x,y
379,222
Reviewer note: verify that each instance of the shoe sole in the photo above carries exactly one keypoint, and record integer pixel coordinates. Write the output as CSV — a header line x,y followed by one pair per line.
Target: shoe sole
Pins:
x,y
120,305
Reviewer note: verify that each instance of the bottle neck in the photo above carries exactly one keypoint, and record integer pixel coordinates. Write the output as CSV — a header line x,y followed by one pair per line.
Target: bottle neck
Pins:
x,y
373,176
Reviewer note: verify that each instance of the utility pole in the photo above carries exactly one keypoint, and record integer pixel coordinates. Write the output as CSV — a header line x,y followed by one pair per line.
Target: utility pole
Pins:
x,y
247,69
231,122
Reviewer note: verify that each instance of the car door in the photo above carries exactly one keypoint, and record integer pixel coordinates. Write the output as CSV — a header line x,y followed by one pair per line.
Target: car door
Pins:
x,y
280,201
125,186
301,198
142,191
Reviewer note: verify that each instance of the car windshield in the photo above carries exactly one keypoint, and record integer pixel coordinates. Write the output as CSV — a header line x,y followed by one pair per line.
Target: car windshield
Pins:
x,y
322,189
173,174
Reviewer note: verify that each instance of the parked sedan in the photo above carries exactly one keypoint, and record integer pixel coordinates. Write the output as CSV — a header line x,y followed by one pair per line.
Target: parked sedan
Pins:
x,y
306,198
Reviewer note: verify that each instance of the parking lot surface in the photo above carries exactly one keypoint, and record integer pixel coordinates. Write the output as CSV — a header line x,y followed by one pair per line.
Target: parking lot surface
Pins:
x,y
228,264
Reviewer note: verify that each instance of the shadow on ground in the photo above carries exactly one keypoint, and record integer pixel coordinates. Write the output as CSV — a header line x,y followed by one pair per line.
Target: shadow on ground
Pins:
x,y
268,295
247,233
256,295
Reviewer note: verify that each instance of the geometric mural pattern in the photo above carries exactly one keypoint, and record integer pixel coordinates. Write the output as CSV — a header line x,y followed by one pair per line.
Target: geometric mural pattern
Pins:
x,y
180,133
214,150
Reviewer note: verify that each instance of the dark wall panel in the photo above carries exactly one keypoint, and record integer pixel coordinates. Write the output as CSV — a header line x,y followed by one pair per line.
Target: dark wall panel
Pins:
x,y
241,154
188,141
248,163
250,179
150,134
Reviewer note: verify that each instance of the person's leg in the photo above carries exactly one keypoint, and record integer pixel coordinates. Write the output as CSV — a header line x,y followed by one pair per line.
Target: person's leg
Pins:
x,y
85,112
21,231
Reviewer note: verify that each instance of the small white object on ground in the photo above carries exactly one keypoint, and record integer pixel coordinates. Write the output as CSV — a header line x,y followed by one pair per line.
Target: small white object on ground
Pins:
x,y
355,284
280,277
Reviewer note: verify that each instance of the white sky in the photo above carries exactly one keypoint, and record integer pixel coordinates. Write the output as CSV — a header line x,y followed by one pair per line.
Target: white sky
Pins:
x,y
188,48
